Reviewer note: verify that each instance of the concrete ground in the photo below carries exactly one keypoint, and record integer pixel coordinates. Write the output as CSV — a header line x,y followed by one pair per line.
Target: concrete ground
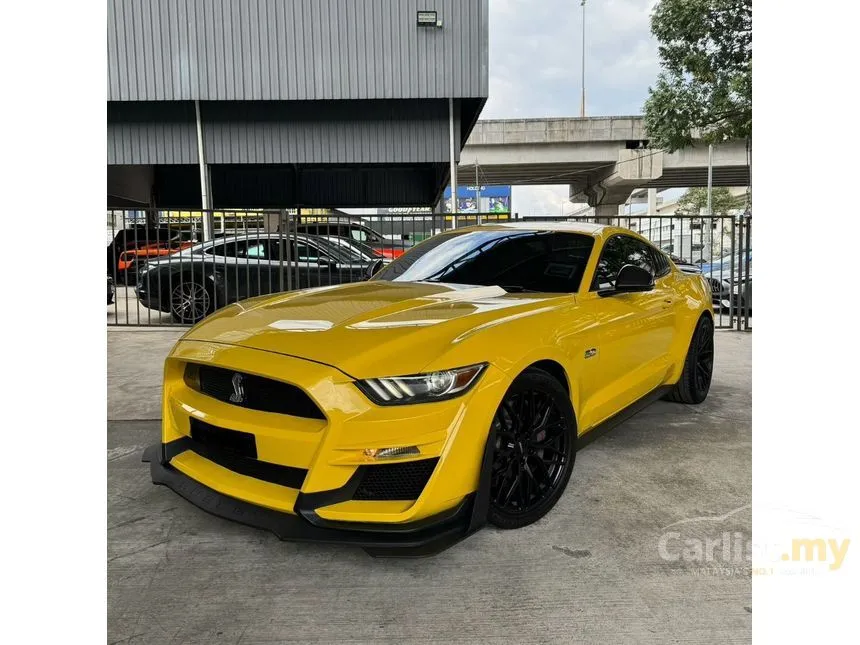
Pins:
x,y
591,571
127,310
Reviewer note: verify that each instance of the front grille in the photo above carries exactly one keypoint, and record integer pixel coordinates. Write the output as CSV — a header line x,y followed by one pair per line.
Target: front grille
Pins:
x,y
251,391
237,451
234,442
401,481
716,285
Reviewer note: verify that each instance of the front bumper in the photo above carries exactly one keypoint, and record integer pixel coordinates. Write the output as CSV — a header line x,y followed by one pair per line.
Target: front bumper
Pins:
x,y
306,478
413,539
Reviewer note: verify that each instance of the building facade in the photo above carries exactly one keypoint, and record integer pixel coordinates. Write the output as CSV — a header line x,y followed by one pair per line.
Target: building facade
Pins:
x,y
290,103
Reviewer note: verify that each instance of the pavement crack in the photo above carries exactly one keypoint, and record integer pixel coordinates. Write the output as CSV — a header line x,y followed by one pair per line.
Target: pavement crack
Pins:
x,y
144,548
127,522
573,553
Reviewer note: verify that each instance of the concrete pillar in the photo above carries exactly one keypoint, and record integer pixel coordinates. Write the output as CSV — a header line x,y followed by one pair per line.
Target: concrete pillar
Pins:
x,y
271,222
652,202
605,212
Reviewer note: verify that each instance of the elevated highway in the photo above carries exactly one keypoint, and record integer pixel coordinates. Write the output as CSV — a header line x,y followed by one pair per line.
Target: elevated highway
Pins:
x,y
602,159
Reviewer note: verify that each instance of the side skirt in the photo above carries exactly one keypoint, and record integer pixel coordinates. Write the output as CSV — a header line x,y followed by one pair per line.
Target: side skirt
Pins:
x,y
620,417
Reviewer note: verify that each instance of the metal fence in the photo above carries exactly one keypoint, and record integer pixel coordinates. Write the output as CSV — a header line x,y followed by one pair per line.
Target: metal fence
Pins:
x,y
172,268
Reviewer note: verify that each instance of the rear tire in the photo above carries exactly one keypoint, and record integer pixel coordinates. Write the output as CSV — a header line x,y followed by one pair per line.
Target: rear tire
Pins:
x,y
190,302
535,449
695,381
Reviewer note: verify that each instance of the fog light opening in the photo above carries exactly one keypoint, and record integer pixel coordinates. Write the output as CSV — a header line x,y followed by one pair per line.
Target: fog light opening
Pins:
x,y
388,453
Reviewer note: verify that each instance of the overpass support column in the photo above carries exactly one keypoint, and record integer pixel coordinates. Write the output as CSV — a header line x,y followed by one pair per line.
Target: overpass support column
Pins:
x,y
605,213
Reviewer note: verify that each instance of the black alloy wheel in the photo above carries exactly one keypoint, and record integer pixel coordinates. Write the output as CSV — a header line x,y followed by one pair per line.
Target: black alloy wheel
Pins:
x,y
695,381
535,449
704,361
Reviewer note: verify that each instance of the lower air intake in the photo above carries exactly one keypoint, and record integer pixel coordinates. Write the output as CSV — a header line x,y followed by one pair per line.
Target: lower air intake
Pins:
x,y
401,481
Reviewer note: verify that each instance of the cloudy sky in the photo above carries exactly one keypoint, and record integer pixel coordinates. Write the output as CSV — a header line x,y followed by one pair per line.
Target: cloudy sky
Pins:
x,y
535,68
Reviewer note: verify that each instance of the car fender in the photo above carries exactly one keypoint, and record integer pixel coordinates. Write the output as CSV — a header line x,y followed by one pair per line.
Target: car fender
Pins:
x,y
515,346
695,299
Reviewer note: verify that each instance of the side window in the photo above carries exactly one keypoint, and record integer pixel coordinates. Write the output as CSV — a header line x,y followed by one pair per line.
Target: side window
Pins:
x,y
228,249
618,251
257,250
304,252
252,249
358,234
661,263
274,249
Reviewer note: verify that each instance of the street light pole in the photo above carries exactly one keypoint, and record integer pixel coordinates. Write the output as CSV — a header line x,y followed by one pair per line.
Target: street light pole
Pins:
x,y
582,101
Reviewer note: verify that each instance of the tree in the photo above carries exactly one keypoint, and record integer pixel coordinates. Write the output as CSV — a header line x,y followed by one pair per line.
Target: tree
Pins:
x,y
695,200
718,234
705,49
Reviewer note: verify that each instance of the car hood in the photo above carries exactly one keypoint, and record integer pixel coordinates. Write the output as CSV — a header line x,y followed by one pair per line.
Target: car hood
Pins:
x,y
368,329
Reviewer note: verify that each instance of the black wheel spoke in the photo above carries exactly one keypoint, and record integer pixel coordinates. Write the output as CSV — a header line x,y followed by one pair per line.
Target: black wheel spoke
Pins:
x,y
511,490
543,469
533,442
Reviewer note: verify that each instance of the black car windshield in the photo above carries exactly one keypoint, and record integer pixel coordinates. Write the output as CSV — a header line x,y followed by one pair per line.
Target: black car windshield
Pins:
x,y
547,261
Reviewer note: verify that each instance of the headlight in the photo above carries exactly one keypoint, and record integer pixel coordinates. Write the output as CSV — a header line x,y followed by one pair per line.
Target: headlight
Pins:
x,y
421,388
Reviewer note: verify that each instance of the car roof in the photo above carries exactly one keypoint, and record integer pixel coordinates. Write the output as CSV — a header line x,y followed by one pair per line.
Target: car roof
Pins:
x,y
252,237
334,221
585,228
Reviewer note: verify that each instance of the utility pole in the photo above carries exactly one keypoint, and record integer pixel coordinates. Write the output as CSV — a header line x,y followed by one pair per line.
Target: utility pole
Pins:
x,y
710,176
477,192
582,101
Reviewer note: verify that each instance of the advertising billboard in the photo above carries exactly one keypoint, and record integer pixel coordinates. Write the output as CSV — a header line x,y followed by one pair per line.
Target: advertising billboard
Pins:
x,y
493,199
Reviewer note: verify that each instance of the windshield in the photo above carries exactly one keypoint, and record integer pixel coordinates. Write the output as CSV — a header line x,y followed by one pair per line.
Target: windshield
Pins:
x,y
548,261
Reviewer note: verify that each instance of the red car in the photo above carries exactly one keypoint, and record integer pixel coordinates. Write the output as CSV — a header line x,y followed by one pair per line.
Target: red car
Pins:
x,y
130,245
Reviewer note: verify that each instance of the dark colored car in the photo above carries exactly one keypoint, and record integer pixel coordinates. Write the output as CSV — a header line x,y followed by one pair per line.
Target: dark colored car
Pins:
x,y
736,293
195,282
358,232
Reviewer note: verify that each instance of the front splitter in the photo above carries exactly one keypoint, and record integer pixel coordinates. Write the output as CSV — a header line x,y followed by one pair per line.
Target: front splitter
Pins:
x,y
424,537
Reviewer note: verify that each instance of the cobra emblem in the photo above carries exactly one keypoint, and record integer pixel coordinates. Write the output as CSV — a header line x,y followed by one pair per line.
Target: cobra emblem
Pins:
x,y
238,395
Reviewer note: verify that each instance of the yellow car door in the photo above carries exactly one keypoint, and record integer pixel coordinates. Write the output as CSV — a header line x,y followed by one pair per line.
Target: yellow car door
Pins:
x,y
626,349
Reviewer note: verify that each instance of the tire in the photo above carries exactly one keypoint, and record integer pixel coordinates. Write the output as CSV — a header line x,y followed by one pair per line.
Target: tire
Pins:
x,y
190,302
535,450
695,381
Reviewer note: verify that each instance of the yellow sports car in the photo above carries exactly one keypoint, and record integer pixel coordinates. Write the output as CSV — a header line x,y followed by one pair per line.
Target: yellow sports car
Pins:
x,y
451,389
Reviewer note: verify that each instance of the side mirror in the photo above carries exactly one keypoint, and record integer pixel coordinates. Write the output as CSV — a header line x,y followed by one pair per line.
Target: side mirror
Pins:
x,y
631,279
374,268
